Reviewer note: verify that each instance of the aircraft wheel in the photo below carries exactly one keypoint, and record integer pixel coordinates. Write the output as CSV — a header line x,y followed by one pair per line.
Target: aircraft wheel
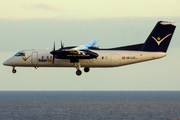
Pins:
x,y
14,71
86,69
78,72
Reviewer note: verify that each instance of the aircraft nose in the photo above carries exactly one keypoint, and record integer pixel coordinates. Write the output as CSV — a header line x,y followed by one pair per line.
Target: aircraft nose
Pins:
x,y
8,62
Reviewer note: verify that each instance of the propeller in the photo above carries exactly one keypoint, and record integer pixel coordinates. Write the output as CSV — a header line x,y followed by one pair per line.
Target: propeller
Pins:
x,y
62,45
53,53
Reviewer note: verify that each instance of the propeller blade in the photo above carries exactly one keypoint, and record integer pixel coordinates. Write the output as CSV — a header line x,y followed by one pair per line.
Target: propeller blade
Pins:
x,y
53,59
53,53
62,46
54,47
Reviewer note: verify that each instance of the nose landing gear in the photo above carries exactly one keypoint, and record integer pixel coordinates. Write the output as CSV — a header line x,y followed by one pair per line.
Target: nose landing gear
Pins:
x,y
14,70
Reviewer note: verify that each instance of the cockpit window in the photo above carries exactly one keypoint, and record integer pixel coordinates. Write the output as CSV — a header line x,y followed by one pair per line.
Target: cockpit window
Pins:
x,y
20,54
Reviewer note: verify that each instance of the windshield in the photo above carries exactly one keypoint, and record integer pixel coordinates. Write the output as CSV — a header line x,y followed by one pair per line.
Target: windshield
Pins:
x,y
20,54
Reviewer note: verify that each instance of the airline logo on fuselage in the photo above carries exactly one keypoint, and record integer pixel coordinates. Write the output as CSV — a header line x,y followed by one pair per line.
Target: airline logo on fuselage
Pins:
x,y
159,40
24,58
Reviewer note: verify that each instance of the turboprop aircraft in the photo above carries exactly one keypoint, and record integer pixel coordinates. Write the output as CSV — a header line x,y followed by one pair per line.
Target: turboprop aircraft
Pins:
x,y
89,55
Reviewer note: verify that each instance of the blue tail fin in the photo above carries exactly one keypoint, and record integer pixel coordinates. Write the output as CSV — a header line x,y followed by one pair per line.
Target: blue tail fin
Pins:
x,y
160,37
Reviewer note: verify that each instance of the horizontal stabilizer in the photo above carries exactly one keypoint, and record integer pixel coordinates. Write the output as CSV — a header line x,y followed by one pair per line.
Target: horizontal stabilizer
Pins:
x,y
166,22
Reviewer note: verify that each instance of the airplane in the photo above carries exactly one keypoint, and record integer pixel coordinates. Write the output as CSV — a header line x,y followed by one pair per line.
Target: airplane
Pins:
x,y
89,55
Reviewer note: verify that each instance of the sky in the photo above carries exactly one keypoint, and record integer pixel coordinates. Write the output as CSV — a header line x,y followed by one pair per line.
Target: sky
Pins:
x,y
33,24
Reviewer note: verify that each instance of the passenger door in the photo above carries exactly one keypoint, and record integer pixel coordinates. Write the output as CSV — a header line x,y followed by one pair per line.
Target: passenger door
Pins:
x,y
34,58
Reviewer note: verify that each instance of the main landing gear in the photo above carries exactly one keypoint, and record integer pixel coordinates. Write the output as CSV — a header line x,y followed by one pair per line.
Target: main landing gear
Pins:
x,y
77,65
14,70
86,69
79,72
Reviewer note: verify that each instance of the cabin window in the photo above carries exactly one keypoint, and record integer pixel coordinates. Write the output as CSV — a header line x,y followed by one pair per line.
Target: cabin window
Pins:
x,y
20,54
47,57
42,57
102,57
51,57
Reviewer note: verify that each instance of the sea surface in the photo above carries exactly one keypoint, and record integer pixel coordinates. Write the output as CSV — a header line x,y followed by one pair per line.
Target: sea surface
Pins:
x,y
89,105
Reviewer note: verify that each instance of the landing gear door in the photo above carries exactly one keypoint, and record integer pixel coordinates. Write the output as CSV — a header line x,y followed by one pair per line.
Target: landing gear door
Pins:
x,y
34,58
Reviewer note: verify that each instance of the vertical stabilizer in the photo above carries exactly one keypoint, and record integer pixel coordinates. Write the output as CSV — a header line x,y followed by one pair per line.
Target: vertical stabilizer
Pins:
x,y
160,37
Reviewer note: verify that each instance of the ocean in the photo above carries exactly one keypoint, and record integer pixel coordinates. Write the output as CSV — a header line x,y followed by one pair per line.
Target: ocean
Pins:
x,y
89,105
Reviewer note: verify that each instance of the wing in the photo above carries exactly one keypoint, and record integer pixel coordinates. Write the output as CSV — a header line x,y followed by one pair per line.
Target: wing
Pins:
x,y
92,43
81,49
79,52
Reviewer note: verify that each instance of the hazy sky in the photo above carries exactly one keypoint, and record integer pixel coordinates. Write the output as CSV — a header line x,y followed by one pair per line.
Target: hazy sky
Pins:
x,y
87,9
37,24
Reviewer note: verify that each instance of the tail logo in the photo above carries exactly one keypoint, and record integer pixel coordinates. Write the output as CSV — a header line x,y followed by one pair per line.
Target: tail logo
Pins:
x,y
159,40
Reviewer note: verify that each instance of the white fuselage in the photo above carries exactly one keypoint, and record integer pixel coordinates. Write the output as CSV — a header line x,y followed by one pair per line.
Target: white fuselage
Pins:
x,y
106,58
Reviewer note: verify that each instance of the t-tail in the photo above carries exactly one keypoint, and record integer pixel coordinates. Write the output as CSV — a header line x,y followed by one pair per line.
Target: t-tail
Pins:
x,y
160,37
